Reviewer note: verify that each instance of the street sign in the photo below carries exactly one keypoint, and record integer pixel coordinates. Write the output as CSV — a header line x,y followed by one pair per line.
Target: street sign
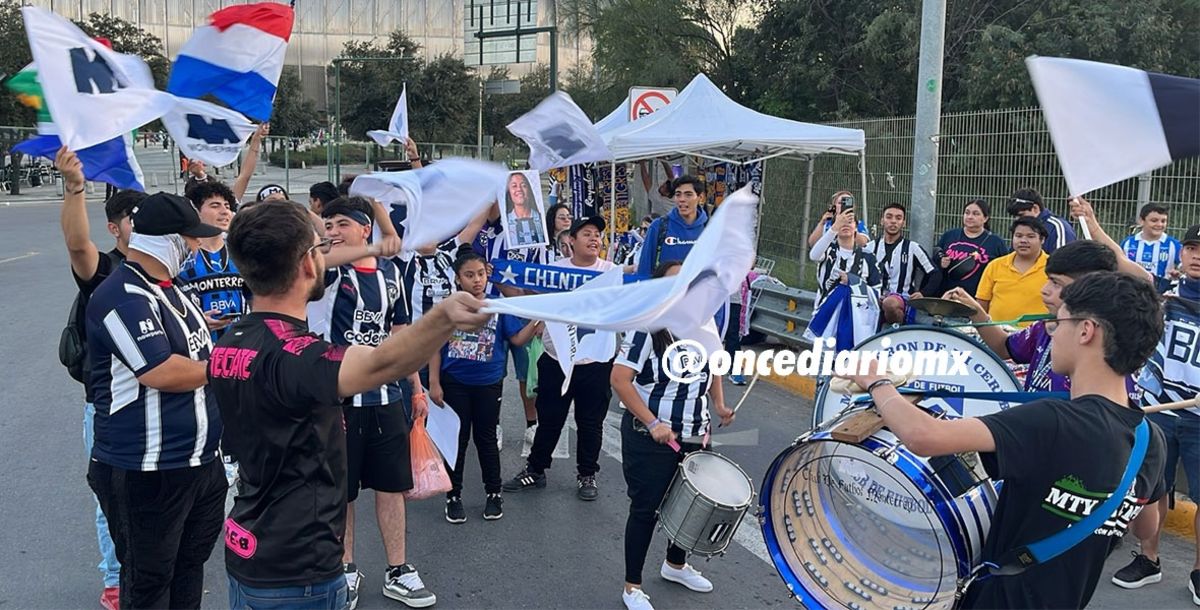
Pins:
x,y
645,100
501,87
481,16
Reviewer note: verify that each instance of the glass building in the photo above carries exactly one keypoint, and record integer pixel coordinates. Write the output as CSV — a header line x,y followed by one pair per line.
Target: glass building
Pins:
x,y
322,27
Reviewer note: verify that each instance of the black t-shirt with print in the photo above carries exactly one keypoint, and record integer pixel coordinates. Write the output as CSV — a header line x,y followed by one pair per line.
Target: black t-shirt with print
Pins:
x,y
1059,459
276,385
981,250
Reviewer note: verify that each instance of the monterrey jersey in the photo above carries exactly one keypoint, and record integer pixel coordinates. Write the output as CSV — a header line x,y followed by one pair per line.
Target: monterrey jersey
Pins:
x,y
1157,257
134,324
492,244
1173,372
364,305
428,278
215,279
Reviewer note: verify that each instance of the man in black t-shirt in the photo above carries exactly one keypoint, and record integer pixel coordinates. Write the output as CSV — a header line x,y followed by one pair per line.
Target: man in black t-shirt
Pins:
x,y
280,390
1059,459
89,267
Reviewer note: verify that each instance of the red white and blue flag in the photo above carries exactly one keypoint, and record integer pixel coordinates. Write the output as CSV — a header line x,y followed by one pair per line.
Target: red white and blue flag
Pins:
x,y
237,58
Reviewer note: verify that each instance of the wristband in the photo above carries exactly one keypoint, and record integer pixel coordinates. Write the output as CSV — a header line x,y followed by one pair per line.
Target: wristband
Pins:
x,y
79,192
879,382
654,423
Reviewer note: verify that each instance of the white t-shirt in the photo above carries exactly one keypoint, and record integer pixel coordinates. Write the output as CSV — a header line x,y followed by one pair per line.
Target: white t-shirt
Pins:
x,y
601,266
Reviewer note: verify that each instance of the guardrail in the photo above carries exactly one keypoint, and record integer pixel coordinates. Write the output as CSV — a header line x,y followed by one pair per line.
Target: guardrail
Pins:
x,y
783,312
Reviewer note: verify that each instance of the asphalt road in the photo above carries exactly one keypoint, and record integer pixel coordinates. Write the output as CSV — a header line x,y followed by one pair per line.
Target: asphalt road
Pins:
x,y
549,551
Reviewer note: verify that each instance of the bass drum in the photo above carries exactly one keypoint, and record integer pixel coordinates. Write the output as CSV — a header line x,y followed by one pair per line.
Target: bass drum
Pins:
x,y
871,525
986,372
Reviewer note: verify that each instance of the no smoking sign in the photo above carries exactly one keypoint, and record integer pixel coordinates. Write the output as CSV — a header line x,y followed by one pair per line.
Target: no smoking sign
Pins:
x,y
646,100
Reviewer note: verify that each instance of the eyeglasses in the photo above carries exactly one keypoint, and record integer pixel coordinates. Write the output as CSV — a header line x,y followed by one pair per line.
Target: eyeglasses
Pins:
x,y
325,245
1052,325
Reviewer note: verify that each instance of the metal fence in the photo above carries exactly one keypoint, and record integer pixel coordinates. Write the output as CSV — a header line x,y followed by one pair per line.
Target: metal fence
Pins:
x,y
982,155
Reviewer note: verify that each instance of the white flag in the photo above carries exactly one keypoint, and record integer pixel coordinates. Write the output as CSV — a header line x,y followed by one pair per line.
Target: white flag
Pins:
x,y
398,126
208,132
559,134
1109,123
594,345
681,304
93,94
441,198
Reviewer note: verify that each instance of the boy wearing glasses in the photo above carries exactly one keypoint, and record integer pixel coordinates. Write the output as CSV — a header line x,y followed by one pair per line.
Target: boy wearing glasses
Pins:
x,y
1058,458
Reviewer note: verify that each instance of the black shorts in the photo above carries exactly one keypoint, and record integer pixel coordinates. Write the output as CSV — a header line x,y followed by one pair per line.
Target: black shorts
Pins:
x,y
377,454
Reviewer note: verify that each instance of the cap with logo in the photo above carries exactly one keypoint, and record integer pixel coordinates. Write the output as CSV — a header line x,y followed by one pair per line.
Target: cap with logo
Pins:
x,y
1192,236
595,221
164,214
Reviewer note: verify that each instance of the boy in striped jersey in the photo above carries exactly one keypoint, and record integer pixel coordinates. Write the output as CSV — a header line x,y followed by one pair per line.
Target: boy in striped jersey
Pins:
x,y
366,302
1152,248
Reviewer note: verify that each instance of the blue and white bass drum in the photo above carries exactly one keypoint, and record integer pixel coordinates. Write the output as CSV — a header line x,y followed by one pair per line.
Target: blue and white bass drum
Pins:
x,y
987,372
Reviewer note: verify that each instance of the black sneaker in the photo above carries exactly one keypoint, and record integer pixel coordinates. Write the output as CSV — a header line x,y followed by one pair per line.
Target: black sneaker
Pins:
x,y
353,580
587,488
1139,573
1194,586
494,509
454,510
525,480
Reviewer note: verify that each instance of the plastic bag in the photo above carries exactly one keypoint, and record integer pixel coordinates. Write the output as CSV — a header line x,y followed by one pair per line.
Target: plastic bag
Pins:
x,y
535,349
429,470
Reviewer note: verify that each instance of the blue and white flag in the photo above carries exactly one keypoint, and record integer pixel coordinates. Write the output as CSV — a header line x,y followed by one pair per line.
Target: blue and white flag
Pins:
x,y
397,128
559,134
1109,123
850,314
95,95
208,132
682,303
574,344
542,278
112,162
440,199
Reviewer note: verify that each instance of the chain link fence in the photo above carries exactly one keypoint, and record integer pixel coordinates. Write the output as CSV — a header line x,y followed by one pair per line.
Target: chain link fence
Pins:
x,y
984,155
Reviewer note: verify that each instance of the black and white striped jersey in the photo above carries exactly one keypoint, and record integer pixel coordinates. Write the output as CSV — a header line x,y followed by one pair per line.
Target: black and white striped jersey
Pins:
x,y
684,406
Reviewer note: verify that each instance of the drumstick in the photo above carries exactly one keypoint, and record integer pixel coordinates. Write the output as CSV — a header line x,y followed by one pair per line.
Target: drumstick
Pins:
x,y
1171,406
753,381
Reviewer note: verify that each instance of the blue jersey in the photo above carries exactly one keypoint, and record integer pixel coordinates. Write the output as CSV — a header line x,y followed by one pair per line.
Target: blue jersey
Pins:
x,y
134,324
364,305
1172,373
479,357
215,279
1157,257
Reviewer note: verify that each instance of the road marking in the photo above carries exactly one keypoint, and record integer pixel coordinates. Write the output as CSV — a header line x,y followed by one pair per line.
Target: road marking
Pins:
x,y
748,535
17,258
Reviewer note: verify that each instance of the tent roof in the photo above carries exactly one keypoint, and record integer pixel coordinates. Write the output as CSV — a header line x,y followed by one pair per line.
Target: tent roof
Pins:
x,y
618,117
703,121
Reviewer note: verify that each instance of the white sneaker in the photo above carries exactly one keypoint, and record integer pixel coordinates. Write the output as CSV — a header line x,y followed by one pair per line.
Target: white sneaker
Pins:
x,y
499,438
686,576
636,600
562,450
528,444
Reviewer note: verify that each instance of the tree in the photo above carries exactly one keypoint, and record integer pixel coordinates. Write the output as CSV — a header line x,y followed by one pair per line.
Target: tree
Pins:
x,y
14,57
294,114
127,37
443,102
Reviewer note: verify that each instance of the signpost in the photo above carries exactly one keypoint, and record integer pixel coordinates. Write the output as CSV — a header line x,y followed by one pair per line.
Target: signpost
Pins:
x,y
515,20
646,100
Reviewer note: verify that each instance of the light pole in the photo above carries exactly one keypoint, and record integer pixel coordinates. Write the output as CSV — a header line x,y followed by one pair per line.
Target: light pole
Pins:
x,y
928,121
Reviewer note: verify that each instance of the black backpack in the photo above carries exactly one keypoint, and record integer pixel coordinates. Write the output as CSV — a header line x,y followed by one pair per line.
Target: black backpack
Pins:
x,y
72,344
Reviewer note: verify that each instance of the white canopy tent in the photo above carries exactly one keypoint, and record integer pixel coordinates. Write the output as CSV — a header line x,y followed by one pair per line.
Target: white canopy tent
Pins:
x,y
703,122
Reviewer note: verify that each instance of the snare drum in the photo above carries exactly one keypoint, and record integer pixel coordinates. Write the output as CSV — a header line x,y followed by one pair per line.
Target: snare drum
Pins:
x,y
872,525
987,373
705,503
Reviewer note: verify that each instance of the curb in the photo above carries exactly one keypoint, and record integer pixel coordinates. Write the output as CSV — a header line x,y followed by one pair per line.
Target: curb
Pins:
x,y
1181,520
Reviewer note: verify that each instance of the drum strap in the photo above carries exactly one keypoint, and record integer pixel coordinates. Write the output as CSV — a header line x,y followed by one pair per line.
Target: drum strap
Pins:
x,y
992,396
1021,558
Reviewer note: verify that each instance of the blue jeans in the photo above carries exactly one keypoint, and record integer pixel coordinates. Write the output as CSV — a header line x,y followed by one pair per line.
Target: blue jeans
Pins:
x,y
329,595
109,566
1182,433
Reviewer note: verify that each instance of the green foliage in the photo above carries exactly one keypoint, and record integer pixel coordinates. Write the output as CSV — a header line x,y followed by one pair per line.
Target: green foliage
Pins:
x,y
352,153
15,56
294,114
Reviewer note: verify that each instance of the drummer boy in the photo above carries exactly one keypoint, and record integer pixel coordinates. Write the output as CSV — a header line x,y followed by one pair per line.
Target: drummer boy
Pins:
x,y
1056,456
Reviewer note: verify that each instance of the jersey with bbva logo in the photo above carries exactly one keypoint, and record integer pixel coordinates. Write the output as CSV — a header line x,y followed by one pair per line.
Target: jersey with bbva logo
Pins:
x,y
215,279
366,304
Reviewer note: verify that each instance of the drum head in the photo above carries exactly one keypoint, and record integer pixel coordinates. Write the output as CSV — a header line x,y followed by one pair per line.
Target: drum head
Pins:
x,y
717,478
987,373
847,529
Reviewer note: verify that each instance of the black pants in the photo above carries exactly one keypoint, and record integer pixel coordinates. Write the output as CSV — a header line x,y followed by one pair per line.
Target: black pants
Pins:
x,y
478,408
649,468
591,392
164,525
733,340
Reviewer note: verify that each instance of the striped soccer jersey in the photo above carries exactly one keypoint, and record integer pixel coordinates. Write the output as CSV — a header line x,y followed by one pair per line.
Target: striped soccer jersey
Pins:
x,y
683,406
215,279
1173,372
364,304
1157,257
134,324
428,278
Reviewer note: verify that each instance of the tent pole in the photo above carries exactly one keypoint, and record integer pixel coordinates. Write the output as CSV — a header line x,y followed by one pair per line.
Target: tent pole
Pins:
x,y
862,168
612,212
805,229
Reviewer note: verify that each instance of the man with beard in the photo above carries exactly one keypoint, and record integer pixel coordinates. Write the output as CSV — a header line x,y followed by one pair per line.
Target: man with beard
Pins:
x,y
281,388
